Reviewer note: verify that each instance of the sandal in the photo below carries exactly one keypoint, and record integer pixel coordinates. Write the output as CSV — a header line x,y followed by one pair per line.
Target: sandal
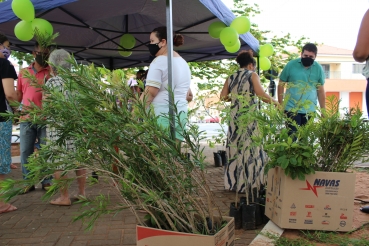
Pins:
x,y
79,197
365,209
10,208
13,166
60,202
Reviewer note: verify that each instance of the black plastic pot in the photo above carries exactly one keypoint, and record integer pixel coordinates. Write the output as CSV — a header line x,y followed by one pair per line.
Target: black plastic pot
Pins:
x,y
94,175
248,216
258,218
217,159
223,155
243,200
264,218
236,213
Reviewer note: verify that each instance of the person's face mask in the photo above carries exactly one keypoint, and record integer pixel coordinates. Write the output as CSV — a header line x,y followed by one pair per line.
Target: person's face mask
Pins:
x,y
5,51
41,59
153,49
307,61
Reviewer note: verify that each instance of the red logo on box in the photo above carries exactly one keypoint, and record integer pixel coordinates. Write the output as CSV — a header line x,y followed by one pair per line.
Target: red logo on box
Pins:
x,y
292,213
309,214
325,222
312,188
327,207
309,206
343,217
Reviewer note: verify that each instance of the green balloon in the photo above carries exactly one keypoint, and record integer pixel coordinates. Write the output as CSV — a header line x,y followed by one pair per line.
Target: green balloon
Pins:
x,y
127,41
23,30
266,50
228,36
241,24
264,63
125,53
23,9
43,26
234,48
215,28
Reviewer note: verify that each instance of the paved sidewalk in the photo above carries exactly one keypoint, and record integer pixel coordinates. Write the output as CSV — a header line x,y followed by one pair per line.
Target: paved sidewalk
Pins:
x,y
38,223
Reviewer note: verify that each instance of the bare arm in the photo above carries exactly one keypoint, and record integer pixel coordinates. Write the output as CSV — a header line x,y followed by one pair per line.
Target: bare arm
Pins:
x,y
19,96
259,91
361,51
150,93
280,91
225,92
321,96
189,95
10,93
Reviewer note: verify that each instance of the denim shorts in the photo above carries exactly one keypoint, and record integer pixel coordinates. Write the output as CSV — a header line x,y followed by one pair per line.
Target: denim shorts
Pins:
x,y
5,146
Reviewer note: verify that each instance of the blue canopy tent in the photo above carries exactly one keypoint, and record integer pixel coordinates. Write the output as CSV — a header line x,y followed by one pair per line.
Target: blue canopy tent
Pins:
x,y
91,29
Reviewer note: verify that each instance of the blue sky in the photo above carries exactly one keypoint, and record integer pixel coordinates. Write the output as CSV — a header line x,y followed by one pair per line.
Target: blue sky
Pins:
x,y
332,22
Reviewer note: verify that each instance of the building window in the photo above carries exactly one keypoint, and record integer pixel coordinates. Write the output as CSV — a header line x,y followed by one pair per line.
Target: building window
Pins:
x,y
326,69
357,68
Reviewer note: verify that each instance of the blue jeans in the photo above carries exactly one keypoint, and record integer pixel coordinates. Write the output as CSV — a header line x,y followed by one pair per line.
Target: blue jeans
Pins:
x,y
300,119
28,135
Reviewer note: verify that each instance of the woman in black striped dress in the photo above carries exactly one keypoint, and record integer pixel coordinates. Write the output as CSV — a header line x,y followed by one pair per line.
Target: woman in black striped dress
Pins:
x,y
246,162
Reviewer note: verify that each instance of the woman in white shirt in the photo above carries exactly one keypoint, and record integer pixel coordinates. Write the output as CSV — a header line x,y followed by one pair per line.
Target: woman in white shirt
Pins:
x,y
156,90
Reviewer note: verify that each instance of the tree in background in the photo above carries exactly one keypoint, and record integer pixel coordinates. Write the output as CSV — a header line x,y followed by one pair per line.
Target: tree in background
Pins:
x,y
214,73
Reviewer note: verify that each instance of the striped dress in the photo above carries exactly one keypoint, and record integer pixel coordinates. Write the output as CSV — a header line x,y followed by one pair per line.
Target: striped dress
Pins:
x,y
246,163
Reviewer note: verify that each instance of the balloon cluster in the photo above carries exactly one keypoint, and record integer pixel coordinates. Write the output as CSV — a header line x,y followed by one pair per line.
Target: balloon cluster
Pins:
x,y
229,36
127,41
265,51
25,29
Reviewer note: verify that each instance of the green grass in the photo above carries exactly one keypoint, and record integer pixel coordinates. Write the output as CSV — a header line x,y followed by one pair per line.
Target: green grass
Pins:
x,y
311,238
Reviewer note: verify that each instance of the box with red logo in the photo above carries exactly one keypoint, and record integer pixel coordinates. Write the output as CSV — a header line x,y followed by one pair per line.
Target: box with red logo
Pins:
x,y
324,201
147,236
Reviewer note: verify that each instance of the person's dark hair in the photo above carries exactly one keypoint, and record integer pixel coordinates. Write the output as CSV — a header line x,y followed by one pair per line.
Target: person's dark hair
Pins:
x,y
310,47
37,45
140,73
245,57
161,33
3,38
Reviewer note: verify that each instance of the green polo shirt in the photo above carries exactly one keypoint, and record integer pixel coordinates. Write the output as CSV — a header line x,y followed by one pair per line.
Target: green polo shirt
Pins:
x,y
302,85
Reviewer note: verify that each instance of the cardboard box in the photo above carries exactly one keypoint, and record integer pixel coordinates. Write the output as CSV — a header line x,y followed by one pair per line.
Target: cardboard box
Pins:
x,y
147,236
324,201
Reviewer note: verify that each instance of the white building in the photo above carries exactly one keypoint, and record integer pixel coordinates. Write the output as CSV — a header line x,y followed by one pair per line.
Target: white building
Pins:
x,y
343,77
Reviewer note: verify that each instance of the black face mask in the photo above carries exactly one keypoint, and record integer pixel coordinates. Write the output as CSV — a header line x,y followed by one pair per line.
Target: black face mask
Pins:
x,y
153,48
41,60
307,61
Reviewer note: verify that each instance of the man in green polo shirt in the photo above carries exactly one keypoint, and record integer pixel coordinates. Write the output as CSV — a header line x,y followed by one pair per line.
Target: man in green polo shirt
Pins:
x,y
304,79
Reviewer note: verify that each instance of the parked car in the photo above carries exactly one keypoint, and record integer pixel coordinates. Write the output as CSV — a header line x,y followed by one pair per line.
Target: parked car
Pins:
x,y
211,119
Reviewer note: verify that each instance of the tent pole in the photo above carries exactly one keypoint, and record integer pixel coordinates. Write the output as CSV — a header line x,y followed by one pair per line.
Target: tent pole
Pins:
x,y
170,67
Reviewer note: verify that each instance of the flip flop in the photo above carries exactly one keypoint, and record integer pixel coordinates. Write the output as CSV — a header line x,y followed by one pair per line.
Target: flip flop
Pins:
x,y
365,209
361,201
54,202
10,208
13,166
78,197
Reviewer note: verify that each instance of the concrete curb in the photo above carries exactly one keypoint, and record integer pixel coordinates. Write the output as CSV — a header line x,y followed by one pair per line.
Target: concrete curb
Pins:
x,y
269,228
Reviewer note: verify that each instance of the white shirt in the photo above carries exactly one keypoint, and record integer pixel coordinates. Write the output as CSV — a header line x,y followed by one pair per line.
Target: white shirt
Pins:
x,y
158,77
366,69
132,82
